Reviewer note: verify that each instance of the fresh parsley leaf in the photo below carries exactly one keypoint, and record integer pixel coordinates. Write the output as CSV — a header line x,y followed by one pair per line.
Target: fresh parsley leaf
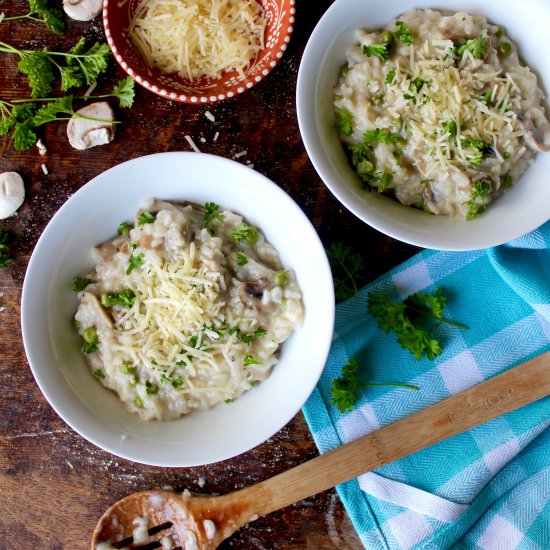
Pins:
x,y
403,33
344,122
39,69
5,259
259,332
390,76
381,135
241,259
249,360
381,50
150,388
49,112
146,217
347,270
125,92
478,199
248,233
124,298
345,389
124,228
407,320
98,373
91,340
134,262
477,46
480,148
212,212
80,283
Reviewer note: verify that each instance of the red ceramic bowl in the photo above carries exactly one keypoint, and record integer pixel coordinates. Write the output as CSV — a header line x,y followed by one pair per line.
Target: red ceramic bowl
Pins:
x,y
280,22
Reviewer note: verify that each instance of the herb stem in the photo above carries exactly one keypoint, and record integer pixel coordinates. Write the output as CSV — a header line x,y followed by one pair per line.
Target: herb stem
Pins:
x,y
443,320
395,385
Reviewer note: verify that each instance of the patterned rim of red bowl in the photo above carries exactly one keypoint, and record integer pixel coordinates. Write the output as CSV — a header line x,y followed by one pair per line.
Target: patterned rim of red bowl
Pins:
x,y
280,24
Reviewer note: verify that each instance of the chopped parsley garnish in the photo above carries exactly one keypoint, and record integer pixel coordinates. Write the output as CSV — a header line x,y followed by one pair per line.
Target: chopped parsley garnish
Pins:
x,y
150,388
211,213
359,152
248,233
80,283
486,97
229,400
403,33
344,122
124,298
193,341
407,320
417,84
138,402
247,338
347,270
345,389
177,382
127,368
134,261
98,373
381,135
381,50
480,148
124,228
480,192
249,360
385,180
281,278
451,128
146,217
241,259
477,46
390,76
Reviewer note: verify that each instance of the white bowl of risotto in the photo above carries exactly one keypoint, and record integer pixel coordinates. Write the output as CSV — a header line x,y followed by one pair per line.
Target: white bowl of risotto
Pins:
x,y
200,318
429,121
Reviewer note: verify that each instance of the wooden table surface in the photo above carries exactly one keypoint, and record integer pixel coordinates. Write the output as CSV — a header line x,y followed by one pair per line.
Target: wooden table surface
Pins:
x,y
54,485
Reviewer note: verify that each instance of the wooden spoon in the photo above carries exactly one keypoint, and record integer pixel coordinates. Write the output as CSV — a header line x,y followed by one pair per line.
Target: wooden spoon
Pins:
x,y
203,522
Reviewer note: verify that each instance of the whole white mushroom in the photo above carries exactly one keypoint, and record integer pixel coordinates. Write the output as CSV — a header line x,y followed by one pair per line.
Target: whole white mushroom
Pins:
x,y
12,193
82,10
83,133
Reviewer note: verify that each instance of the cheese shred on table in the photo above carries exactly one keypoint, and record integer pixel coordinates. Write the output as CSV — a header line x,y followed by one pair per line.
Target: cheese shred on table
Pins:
x,y
202,38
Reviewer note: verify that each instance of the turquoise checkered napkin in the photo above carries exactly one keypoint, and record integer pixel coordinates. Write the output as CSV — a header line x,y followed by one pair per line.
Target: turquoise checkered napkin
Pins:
x,y
487,488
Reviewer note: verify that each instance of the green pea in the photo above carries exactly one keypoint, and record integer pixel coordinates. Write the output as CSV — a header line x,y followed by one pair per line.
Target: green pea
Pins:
x,y
281,278
90,335
506,182
505,49
387,36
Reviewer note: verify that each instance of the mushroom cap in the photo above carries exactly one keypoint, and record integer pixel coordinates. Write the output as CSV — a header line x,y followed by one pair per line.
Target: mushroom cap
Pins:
x,y
12,193
82,10
84,134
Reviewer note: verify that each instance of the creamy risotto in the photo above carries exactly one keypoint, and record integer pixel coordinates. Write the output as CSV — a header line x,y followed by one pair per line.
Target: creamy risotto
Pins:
x,y
437,110
185,309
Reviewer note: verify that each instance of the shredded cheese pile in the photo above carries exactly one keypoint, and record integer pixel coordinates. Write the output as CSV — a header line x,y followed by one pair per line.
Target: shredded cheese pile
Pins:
x,y
175,300
447,92
200,37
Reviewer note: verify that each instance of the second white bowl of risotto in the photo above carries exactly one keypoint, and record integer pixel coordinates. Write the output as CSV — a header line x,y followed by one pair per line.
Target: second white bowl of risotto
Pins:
x,y
430,123
178,309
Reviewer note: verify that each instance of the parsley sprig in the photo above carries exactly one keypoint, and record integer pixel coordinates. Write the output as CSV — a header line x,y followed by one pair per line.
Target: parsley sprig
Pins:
x,y
23,116
344,122
245,232
346,388
39,10
124,298
5,240
82,65
347,270
413,321
381,135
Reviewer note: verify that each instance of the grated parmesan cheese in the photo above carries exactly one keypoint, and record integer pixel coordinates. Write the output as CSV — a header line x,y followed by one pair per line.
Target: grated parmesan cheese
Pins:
x,y
199,38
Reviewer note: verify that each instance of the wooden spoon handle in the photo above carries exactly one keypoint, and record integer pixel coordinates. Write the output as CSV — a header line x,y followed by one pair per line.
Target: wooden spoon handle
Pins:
x,y
506,392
